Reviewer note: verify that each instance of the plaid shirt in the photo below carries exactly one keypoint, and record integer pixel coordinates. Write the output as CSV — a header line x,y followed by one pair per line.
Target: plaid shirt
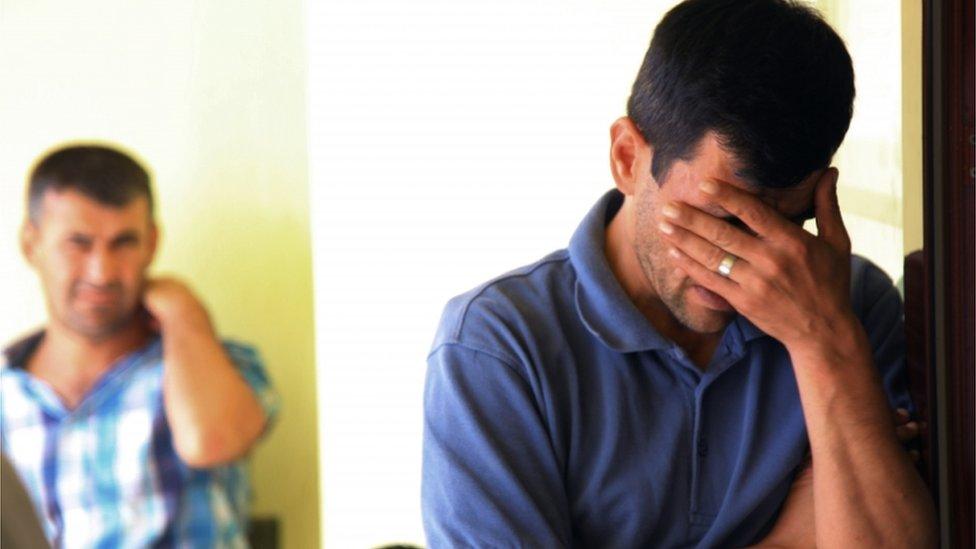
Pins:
x,y
106,474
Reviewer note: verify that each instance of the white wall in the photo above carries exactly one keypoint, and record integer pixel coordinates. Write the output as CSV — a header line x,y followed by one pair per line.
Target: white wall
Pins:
x,y
450,141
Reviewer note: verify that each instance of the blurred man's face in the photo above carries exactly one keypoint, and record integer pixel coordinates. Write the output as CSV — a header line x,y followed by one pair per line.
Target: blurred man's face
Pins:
x,y
693,306
91,259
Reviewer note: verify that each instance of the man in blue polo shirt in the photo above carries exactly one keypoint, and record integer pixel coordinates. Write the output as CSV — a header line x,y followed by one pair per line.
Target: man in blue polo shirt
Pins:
x,y
668,379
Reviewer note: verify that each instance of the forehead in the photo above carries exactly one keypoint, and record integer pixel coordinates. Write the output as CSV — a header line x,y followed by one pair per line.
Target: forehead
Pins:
x,y
713,162
71,210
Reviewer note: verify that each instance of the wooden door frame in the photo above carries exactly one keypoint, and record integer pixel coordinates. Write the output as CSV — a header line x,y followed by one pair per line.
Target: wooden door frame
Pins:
x,y
949,212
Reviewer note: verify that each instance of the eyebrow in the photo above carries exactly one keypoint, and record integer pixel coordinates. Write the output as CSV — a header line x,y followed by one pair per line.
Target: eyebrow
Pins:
x,y
129,234
750,180
805,215
763,191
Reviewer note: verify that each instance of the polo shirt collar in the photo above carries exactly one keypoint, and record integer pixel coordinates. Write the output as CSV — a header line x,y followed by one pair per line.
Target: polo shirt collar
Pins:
x,y
602,304
748,329
17,353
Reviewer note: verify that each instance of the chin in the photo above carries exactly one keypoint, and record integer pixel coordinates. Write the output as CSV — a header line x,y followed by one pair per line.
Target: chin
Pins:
x,y
707,324
98,325
701,319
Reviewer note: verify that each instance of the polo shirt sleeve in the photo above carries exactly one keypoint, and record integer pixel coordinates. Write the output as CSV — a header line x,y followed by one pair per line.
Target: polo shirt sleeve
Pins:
x,y
248,362
490,476
879,306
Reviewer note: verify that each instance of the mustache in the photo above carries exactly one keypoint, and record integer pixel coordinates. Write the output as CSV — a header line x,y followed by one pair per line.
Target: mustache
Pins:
x,y
111,287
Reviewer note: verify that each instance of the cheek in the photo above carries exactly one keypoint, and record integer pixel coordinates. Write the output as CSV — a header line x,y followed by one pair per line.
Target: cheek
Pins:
x,y
60,267
129,275
133,272
57,279
651,244
690,196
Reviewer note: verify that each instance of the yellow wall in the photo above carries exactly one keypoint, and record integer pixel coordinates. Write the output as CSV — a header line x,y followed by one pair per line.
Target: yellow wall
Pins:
x,y
212,95
872,168
911,125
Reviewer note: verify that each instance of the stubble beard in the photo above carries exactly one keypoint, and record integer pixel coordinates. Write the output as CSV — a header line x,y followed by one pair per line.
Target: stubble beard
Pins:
x,y
99,323
671,287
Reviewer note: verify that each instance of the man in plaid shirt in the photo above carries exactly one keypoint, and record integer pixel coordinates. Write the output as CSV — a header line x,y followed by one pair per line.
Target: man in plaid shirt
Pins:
x,y
126,417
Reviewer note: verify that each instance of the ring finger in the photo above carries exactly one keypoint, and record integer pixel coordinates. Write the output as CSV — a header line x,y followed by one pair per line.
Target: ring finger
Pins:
x,y
722,232
705,253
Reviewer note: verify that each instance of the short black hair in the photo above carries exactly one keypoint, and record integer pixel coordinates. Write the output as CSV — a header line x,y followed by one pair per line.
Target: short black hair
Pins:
x,y
102,173
770,77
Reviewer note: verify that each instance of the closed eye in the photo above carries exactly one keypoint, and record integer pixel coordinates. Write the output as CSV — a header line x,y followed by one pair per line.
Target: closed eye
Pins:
x,y
802,218
798,219
739,224
79,241
126,239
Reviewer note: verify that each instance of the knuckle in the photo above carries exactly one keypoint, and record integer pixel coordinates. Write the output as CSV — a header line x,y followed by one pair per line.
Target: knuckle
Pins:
x,y
776,269
751,302
793,247
797,249
715,258
756,214
845,244
724,236
762,287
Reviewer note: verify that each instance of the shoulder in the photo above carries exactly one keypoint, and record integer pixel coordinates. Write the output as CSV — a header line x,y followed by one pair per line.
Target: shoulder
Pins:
x,y
18,351
878,305
872,289
499,310
248,361
241,352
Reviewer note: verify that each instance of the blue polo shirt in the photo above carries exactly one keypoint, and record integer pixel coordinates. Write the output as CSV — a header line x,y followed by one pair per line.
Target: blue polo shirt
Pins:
x,y
556,416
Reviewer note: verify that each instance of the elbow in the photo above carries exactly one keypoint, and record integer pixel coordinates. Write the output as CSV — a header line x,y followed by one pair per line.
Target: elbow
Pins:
x,y
928,534
218,441
206,449
921,539
921,531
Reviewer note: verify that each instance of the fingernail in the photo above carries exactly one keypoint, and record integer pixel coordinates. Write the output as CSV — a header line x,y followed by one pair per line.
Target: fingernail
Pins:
x,y
912,425
673,252
666,227
708,187
670,211
902,412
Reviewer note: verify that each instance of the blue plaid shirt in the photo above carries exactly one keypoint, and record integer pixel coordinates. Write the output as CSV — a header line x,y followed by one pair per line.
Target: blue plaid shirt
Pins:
x,y
106,474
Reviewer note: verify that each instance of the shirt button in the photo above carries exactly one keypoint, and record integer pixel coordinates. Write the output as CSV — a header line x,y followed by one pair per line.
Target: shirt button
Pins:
x,y
702,448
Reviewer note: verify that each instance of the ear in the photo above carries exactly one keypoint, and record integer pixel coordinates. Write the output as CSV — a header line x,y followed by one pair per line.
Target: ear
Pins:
x,y
630,156
29,235
152,241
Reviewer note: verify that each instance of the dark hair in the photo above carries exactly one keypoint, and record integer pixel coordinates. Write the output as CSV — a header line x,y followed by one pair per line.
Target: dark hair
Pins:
x,y
770,77
104,174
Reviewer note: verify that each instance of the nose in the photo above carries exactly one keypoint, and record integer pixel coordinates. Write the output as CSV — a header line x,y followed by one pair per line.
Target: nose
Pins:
x,y
101,267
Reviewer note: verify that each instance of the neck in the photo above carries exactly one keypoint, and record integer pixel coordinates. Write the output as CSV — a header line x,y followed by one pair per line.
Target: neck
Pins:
x,y
71,363
626,268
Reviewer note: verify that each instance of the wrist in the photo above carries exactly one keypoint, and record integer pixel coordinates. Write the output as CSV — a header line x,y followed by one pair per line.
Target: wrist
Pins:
x,y
180,312
840,341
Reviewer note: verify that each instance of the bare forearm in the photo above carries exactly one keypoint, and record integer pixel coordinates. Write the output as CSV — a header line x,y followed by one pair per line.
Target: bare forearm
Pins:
x,y
213,414
795,526
866,490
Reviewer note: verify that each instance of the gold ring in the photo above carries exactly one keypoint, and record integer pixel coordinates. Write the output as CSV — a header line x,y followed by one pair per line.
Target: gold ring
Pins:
x,y
725,267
